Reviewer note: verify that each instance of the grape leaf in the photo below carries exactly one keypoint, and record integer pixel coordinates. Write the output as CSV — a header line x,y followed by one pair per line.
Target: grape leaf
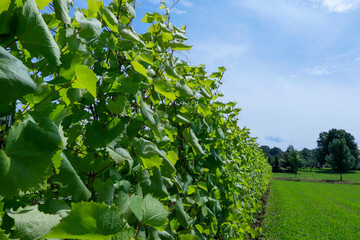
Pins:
x,y
42,3
165,89
130,11
119,155
127,233
110,20
175,45
89,220
119,106
26,163
135,206
154,213
189,237
139,68
62,10
181,215
14,78
90,28
86,79
34,34
129,34
72,185
147,112
31,224
4,6
194,141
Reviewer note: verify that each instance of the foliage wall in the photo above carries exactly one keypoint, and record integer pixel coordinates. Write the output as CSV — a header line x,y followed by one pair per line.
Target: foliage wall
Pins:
x,y
105,134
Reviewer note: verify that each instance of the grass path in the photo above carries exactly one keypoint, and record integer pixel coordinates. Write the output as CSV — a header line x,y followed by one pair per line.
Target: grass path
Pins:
x,y
307,210
321,174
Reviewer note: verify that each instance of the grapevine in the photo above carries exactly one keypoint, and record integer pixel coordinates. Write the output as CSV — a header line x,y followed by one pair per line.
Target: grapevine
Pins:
x,y
106,134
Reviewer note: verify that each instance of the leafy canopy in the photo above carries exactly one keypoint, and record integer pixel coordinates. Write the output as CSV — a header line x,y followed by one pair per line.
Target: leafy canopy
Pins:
x,y
106,133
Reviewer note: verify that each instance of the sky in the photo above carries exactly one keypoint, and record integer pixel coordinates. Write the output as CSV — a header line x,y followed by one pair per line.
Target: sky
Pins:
x,y
293,66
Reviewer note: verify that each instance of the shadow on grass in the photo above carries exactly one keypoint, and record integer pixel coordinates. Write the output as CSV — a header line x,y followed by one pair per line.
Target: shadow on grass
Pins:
x,y
330,171
316,180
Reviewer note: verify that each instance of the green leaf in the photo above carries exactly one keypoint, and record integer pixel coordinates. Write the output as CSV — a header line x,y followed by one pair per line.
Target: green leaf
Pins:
x,y
165,89
110,20
34,35
127,233
173,157
119,155
130,11
14,77
149,150
2,235
150,162
194,141
89,220
181,119
71,183
42,3
147,112
183,89
96,130
154,213
139,68
135,206
181,215
175,45
31,224
105,190
86,79
90,28
202,185
189,237
4,6
62,10
129,34
170,70
119,106
25,165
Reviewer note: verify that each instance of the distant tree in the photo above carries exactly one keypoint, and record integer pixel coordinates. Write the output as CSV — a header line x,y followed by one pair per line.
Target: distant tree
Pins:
x,y
265,149
274,156
325,138
277,164
309,157
275,151
294,161
340,158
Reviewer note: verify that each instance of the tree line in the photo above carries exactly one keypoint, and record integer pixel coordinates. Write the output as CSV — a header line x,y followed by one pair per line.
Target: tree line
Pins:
x,y
336,149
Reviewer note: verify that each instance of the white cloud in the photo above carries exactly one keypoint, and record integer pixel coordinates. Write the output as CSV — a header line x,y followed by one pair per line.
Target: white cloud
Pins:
x,y
178,11
319,71
186,3
215,52
338,5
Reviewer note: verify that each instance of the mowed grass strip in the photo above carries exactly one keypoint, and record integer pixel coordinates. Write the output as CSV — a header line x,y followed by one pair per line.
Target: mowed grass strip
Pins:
x,y
308,210
322,174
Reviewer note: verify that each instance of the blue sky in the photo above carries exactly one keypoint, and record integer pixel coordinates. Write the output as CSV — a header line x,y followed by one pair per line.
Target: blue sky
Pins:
x,y
293,66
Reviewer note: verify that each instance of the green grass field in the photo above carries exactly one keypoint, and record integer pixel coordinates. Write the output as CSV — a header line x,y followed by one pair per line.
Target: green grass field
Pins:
x,y
308,210
322,174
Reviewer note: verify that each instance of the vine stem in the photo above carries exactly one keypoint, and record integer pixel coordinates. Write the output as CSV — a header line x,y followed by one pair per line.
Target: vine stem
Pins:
x,y
118,14
103,169
138,230
51,177
11,43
